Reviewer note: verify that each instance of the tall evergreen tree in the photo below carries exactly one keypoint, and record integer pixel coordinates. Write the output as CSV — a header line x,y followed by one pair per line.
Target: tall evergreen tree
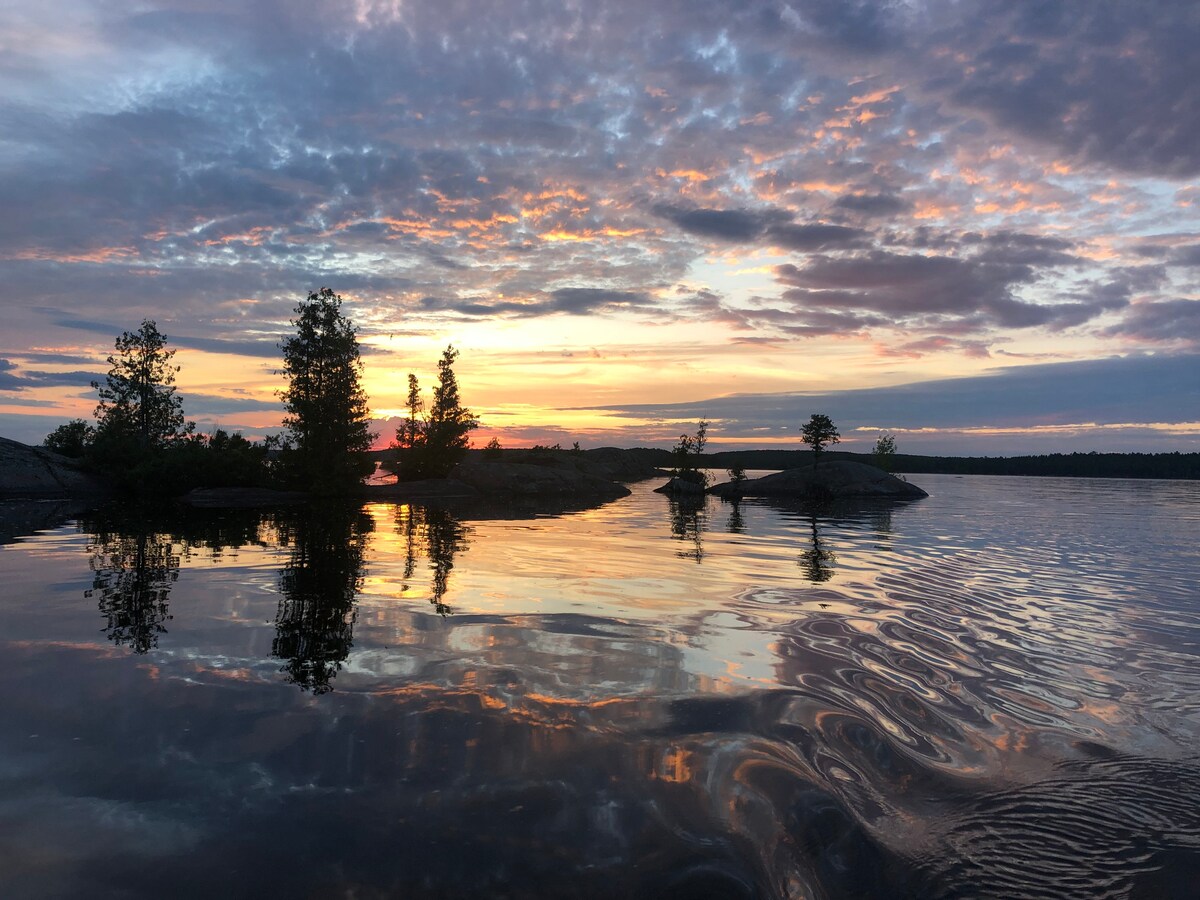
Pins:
x,y
327,415
435,445
409,433
450,423
139,411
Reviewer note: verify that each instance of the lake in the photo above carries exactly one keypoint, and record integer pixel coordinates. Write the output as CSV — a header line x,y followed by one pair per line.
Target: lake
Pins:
x,y
991,692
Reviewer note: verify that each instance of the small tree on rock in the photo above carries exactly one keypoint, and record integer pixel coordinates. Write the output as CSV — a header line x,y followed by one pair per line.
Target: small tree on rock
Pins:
x,y
817,432
687,452
884,451
72,438
327,415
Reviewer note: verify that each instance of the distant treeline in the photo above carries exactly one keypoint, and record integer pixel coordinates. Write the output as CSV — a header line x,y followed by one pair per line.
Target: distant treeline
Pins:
x,y
1075,465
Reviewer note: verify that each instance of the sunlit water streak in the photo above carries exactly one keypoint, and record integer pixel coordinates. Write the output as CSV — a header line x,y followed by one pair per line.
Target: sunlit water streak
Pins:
x,y
991,692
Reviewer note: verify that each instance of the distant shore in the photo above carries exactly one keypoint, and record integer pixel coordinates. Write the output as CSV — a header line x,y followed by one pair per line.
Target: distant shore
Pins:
x,y
1180,466
34,471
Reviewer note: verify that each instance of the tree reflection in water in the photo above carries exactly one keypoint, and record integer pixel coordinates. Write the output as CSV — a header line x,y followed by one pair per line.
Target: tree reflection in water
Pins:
x,y
314,627
816,561
136,555
687,523
134,568
443,535
737,522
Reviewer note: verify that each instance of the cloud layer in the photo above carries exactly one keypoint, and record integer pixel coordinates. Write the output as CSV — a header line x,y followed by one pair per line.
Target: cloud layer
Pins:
x,y
916,189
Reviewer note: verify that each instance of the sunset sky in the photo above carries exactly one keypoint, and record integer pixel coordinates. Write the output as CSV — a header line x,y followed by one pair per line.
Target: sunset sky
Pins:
x,y
975,224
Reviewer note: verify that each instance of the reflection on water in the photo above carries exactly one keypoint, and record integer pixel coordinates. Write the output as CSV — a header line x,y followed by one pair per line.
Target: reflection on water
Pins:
x,y
134,571
817,561
314,626
992,692
443,535
688,521
736,523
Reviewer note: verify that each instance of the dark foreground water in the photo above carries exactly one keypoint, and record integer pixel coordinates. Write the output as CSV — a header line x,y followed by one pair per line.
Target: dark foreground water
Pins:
x,y
994,692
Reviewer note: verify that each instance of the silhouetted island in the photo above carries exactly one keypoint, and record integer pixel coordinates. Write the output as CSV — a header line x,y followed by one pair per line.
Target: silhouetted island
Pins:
x,y
831,480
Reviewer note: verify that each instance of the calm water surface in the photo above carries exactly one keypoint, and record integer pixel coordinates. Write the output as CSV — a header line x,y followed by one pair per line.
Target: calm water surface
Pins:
x,y
993,692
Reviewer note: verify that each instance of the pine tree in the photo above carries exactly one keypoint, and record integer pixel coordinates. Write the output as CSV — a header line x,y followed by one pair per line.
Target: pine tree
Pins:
x,y
327,417
436,444
818,431
450,423
139,411
409,433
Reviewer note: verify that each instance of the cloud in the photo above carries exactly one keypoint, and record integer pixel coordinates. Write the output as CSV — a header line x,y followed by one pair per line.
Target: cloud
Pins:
x,y
62,379
1168,321
9,381
257,348
575,301
724,224
947,176
937,343
816,236
1120,390
972,291
581,301
1187,255
1106,83
209,405
872,204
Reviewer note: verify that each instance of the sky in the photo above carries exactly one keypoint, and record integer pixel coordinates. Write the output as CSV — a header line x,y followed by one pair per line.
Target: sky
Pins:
x,y
973,224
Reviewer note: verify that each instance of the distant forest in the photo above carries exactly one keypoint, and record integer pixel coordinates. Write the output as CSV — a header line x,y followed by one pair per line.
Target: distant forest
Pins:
x,y
1077,465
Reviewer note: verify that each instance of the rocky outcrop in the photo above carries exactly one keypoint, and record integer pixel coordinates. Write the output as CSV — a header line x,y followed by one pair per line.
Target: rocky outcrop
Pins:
x,y
525,480
677,486
36,472
620,465
832,480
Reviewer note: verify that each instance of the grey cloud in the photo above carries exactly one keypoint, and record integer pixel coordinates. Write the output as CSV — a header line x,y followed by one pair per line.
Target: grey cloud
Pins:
x,y
806,322
61,359
725,224
88,325
580,301
576,301
257,348
236,180
526,131
1110,83
9,381
214,404
62,379
1138,389
1188,255
872,204
902,284
816,236
268,349
937,343
864,26
1167,321
932,290
769,225
1018,248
